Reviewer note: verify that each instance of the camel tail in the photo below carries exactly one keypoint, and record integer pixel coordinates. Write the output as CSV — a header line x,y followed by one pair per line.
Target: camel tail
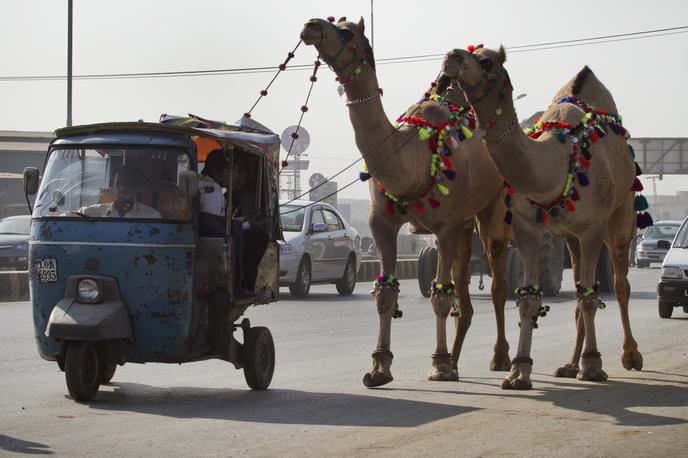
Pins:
x,y
586,87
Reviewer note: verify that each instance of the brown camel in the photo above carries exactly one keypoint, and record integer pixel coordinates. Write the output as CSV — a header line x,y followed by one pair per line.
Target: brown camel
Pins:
x,y
411,165
571,174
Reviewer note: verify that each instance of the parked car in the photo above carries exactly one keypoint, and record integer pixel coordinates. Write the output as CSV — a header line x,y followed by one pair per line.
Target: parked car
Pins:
x,y
320,247
647,250
672,290
14,242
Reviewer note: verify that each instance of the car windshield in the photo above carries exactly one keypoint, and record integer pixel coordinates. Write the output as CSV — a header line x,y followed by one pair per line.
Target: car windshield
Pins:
x,y
15,226
661,231
291,218
114,183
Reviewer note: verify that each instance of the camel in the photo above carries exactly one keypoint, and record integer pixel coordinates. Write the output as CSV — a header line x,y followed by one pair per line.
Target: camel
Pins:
x,y
572,174
434,135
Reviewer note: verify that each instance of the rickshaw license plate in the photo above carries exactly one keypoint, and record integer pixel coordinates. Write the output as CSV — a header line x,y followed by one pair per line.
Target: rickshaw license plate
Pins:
x,y
46,270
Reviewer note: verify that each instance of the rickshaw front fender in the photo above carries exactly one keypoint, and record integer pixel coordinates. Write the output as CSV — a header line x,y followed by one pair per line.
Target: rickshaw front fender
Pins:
x,y
73,320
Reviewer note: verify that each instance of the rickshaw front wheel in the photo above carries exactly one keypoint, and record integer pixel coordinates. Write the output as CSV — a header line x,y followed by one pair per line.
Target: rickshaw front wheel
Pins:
x,y
83,370
258,357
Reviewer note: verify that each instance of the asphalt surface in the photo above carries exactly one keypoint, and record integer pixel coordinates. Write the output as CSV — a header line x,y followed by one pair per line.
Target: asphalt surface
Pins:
x,y
317,405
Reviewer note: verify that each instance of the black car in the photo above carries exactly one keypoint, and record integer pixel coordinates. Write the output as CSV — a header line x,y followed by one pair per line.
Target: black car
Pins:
x,y
14,243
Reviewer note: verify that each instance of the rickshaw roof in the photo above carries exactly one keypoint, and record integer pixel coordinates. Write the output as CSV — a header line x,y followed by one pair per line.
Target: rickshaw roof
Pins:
x,y
176,131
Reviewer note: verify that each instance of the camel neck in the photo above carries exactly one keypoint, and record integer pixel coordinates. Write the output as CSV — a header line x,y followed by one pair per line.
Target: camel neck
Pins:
x,y
535,169
377,138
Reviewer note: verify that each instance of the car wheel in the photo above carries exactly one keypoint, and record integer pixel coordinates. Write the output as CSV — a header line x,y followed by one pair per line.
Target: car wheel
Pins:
x,y
302,286
685,309
665,309
258,356
347,284
642,264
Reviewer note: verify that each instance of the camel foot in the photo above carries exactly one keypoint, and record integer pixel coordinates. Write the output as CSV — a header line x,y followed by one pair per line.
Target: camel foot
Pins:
x,y
500,362
592,375
517,384
437,375
632,360
567,371
591,368
376,379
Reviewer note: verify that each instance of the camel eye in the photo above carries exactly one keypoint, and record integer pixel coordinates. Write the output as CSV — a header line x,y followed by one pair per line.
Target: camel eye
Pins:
x,y
486,64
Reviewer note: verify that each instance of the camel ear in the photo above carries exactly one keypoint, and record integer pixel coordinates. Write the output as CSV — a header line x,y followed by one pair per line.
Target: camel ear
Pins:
x,y
501,53
341,19
361,26
480,46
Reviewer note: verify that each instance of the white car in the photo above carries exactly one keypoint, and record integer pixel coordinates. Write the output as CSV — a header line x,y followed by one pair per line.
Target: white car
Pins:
x,y
672,290
320,247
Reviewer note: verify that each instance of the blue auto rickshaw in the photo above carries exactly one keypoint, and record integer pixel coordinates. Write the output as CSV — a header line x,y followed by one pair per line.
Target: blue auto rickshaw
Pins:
x,y
112,286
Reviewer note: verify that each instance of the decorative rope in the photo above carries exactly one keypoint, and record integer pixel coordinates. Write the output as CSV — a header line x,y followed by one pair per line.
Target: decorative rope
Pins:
x,y
388,282
533,290
446,290
585,293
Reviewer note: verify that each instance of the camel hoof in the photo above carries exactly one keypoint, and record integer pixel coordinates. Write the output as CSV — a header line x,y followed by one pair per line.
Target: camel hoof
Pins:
x,y
379,379
500,363
592,375
567,371
516,384
632,360
443,376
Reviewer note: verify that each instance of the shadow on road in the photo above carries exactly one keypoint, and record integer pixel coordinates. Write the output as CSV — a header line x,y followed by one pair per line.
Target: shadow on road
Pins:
x,y
12,444
320,297
617,398
274,406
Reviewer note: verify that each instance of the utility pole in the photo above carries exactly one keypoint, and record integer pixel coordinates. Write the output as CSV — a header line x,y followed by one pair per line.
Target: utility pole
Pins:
x,y
69,62
372,27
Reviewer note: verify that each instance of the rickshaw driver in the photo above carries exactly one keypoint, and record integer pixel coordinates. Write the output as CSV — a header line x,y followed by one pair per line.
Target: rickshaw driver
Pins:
x,y
126,184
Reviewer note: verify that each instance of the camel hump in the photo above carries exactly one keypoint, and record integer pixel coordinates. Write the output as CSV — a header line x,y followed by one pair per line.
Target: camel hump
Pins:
x,y
586,87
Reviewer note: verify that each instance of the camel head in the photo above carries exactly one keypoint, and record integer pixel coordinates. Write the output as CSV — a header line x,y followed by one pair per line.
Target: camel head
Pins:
x,y
342,45
477,72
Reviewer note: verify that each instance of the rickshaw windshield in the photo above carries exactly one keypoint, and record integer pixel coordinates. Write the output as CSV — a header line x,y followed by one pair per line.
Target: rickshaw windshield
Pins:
x,y
114,183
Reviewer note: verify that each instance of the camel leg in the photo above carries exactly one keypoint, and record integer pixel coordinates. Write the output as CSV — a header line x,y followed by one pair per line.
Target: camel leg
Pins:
x,y
460,276
618,246
591,360
495,236
447,241
570,369
528,238
384,231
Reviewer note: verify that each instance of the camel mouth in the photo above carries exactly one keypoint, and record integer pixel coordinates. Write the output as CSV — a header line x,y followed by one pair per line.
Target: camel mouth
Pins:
x,y
312,32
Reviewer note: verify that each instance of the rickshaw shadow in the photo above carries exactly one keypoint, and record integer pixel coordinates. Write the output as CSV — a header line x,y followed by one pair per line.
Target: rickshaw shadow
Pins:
x,y
14,445
279,406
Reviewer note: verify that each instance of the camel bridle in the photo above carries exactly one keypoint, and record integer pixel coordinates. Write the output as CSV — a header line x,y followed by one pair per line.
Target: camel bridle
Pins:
x,y
356,52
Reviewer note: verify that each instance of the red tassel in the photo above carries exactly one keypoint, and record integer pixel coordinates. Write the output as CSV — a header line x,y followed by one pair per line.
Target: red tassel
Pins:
x,y
447,162
584,162
570,207
575,195
390,208
637,186
510,191
433,202
419,208
543,217
432,143
594,137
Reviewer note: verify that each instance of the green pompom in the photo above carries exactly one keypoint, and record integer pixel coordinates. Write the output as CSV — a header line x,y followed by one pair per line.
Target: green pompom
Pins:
x,y
640,203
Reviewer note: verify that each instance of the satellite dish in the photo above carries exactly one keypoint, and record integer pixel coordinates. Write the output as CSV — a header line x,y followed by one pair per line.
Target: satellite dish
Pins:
x,y
316,179
300,144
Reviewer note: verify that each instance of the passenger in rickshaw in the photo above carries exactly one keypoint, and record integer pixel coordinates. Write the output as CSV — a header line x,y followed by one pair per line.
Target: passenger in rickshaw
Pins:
x,y
126,187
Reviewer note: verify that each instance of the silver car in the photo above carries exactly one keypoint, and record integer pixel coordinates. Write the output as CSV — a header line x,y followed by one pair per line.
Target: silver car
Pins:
x,y
648,250
319,247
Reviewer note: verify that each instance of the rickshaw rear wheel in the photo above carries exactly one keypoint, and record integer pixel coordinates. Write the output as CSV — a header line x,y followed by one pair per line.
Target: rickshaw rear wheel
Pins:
x,y
83,370
258,357
108,372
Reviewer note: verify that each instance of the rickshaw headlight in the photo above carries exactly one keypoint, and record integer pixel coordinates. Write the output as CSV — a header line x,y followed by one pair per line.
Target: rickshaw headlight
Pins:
x,y
87,290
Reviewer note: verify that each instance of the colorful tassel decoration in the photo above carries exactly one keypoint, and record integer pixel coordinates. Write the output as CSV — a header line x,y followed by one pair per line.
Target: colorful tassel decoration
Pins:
x,y
390,208
433,203
631,151
544,217
640,203
423,134
594,137
638,171
363,176
450,174
538,215
637,186
583,179
644,220
507,217
443,189
466,131
586,153
554,212
585,162
419,208
447,162
570,207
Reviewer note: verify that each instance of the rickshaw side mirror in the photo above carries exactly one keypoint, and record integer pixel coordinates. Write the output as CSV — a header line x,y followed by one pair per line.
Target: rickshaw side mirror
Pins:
x,y
31,178
188,183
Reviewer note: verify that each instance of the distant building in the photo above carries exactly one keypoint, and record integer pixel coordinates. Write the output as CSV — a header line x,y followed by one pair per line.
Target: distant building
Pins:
x,y
19,149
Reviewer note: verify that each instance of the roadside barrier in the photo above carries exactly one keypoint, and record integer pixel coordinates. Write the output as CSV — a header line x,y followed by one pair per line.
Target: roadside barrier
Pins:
x,y
14,286
407,268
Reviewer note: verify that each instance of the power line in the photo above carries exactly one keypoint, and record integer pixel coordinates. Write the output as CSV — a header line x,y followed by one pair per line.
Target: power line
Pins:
x,y
389,60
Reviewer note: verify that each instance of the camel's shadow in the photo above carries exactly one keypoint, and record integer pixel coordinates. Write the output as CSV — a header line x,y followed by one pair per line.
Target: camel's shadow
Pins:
x,y
276,406
620,397
14,445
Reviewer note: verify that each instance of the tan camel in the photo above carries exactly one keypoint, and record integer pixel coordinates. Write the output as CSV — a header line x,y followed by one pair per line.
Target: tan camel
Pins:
x,y
572,175
411,182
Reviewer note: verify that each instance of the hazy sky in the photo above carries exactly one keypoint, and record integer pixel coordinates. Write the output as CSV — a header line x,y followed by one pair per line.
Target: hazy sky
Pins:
x,y
646,76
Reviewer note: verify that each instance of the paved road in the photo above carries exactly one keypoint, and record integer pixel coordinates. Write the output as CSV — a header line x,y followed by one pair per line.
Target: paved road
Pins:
x,y
317,405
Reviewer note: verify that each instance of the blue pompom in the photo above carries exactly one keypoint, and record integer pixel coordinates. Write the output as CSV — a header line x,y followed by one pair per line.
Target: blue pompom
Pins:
x,y
363,176
583,179
449,174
